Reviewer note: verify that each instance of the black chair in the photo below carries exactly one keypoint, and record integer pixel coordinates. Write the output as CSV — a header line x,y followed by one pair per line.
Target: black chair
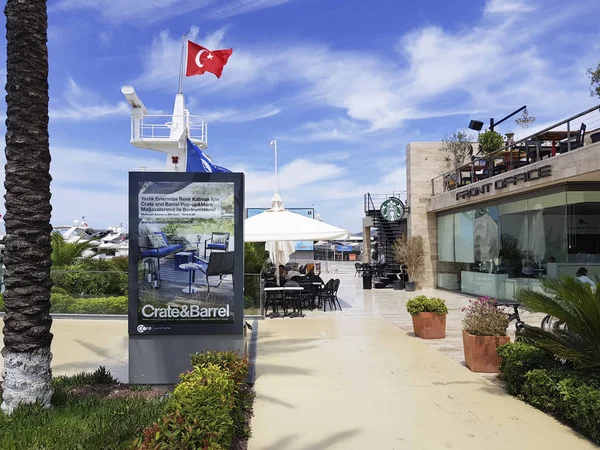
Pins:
x,y
358,267
218,241
273,298
329,294
533,148
219,264
293,298
576,143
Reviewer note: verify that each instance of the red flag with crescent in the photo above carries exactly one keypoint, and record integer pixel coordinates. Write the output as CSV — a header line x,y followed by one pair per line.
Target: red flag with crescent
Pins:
x,y
200,60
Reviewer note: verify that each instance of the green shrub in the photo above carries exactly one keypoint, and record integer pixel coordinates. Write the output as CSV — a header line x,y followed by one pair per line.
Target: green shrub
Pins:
x,y
517,359
423,303
198,414
102,305
229,361
572,396
92,278
483,318
66,304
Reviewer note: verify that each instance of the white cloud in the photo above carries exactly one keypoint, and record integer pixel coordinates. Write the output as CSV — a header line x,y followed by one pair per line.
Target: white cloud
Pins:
x,y
82,104
326,130
150,11
233,115
508,6
435,72
92,183
236,7
135,11
164,55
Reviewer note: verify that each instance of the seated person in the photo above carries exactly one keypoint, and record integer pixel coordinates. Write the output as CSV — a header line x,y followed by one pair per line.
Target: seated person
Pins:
x,y
282,275
293,272
582,276
313,277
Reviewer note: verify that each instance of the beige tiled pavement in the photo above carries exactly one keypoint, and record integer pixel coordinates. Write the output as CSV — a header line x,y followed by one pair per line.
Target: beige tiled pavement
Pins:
x,y
358,379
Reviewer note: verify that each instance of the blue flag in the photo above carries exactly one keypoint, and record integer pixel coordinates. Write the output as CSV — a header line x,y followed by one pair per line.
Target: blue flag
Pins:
x,y
197,161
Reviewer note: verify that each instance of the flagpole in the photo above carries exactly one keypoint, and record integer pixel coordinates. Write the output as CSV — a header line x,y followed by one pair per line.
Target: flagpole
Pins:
x,y
182,63
274,143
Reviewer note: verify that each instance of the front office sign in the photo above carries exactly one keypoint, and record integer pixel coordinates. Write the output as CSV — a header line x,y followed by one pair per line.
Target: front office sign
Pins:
x,y
172,216
522,177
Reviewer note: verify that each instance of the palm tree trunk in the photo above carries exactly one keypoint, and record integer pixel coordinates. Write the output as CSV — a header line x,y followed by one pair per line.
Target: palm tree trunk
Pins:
x,y
27,375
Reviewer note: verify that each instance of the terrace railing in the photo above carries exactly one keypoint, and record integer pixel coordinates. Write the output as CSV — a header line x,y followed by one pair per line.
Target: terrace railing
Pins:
x,y
372,202
570,134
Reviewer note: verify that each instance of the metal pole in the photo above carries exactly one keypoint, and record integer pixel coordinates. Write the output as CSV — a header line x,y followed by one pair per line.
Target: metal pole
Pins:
x,y
492,124
274,144
182,62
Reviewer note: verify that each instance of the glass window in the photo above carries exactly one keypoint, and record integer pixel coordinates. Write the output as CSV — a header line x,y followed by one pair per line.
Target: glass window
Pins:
x,y
498,249
445,237
583,234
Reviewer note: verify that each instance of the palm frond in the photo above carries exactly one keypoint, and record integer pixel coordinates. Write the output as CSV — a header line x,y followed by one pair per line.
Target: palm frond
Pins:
x,y
576,305
66,253
564,344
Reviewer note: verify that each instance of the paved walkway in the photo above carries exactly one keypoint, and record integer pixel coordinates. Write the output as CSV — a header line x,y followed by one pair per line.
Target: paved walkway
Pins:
x,y
84,345
358,380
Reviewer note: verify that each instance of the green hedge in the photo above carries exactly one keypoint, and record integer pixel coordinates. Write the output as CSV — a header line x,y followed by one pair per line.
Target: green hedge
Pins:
x,y
538,378
569,396
517,359
97,279
204,409
62,303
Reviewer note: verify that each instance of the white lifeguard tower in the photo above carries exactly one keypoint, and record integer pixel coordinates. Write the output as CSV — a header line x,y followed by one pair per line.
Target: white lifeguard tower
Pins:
x,y
166,133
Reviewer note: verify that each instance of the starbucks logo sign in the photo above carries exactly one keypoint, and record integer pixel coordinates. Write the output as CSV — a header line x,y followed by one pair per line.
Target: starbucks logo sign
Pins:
x,y
392,209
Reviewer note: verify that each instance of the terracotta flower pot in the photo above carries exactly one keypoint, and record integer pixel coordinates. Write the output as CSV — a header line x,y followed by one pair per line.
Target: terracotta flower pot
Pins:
x,y
480,352
429,325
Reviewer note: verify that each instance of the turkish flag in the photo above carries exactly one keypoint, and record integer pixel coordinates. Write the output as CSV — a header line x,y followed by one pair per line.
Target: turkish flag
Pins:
x,y
200,60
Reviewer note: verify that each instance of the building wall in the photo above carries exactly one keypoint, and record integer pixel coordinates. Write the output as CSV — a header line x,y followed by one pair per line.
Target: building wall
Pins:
x,y
578,165
424,161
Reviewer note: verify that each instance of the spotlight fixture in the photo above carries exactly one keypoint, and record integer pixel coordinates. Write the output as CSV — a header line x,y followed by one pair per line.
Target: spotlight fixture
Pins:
x,y
476,125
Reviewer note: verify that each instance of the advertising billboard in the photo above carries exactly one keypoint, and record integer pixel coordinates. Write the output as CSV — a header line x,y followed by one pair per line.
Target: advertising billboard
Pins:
x,y
186,253
307,212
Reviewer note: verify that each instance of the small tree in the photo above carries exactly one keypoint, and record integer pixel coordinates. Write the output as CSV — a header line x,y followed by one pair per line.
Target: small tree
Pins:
x,y
490,141
459,148
595,81
410,252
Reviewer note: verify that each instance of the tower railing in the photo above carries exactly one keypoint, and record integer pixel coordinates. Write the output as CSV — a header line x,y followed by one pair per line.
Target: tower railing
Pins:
x,y
164,126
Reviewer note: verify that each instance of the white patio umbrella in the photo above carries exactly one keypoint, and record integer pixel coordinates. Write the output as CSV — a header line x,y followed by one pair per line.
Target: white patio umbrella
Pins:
x,y
532,238
279,227
485,237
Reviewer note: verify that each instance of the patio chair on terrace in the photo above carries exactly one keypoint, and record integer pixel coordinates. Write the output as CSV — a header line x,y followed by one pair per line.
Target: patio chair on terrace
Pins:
x,y
219,264
575,143
218,241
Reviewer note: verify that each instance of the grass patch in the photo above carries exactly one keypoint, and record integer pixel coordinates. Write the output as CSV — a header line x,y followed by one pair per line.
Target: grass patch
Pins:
x,y
91,411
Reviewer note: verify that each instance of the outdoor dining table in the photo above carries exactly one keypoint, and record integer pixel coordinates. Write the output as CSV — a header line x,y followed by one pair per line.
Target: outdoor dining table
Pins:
x,y
283,290
555,135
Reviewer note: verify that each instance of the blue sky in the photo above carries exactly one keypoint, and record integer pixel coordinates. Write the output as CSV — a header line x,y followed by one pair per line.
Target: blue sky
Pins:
x,y
342,85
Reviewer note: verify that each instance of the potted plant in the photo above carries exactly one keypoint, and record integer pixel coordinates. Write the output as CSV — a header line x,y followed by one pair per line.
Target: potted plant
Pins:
x,y
410,252
428,316
490,141
484,330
